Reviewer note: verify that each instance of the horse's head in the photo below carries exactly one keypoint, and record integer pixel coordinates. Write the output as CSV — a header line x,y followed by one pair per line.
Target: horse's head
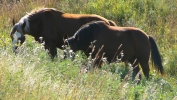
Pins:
x,y
18,31
72,42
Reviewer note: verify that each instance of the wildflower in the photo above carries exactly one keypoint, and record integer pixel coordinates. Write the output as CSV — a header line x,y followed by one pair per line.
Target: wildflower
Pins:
x,y
70,51
92,44
43,43
77,55
122,55
40,38
19,41
104,59
155,71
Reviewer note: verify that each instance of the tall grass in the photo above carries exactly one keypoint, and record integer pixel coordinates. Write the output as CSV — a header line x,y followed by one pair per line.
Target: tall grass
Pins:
x,y
32,75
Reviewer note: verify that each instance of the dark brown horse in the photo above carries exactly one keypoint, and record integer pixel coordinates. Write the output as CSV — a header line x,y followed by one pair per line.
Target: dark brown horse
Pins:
x,y
51,24
136,45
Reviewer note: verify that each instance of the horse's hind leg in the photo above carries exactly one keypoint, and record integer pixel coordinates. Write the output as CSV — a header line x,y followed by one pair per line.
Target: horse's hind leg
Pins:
x,y
134,62
144,65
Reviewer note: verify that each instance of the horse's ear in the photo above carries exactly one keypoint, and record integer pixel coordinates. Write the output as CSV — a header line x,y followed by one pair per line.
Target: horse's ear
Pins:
x,y
76,38
13,21
23,25
65,37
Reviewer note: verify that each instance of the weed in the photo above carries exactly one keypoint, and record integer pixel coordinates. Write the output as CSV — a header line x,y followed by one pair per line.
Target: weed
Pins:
x,y
30,74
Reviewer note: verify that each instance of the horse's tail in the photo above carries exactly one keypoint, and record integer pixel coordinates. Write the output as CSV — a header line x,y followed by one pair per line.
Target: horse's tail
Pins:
x,y
155,56
112,23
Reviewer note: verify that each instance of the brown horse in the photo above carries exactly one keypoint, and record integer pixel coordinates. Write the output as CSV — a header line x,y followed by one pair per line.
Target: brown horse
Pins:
x,y
136,45
51,24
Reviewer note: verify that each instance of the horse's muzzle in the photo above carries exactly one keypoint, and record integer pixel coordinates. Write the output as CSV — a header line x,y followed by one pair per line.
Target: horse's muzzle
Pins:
x,y
16,40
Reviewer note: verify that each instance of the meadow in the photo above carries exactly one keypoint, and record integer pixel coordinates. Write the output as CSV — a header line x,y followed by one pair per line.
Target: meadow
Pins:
x,y
31,75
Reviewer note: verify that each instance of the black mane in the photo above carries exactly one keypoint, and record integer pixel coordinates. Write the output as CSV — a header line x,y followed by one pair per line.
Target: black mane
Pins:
x,y
88,32
41,10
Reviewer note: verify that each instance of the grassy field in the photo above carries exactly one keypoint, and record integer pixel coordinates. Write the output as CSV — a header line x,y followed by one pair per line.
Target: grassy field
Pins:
x,y
31,75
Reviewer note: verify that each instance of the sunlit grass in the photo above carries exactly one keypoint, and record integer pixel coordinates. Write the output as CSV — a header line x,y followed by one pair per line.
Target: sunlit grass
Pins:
x,y
32,75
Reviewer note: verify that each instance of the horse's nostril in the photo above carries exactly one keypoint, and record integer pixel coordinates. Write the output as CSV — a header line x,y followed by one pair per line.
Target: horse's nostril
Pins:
x,y
22,39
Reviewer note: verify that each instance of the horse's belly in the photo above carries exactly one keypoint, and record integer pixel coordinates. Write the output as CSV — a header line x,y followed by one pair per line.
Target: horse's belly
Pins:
x,y
121,51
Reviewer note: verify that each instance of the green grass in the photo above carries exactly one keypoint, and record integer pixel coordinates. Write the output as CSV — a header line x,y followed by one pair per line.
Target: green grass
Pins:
x,y
31,75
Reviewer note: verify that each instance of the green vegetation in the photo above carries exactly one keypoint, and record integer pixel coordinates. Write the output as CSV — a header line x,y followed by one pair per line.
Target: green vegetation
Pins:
x,y
31,75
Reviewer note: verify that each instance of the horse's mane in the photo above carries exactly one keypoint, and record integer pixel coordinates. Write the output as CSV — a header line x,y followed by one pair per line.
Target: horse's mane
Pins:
x,y
88,32
41,9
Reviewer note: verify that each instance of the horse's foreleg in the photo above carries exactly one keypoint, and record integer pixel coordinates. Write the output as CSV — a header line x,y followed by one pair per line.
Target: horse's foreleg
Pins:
x,y
52,50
